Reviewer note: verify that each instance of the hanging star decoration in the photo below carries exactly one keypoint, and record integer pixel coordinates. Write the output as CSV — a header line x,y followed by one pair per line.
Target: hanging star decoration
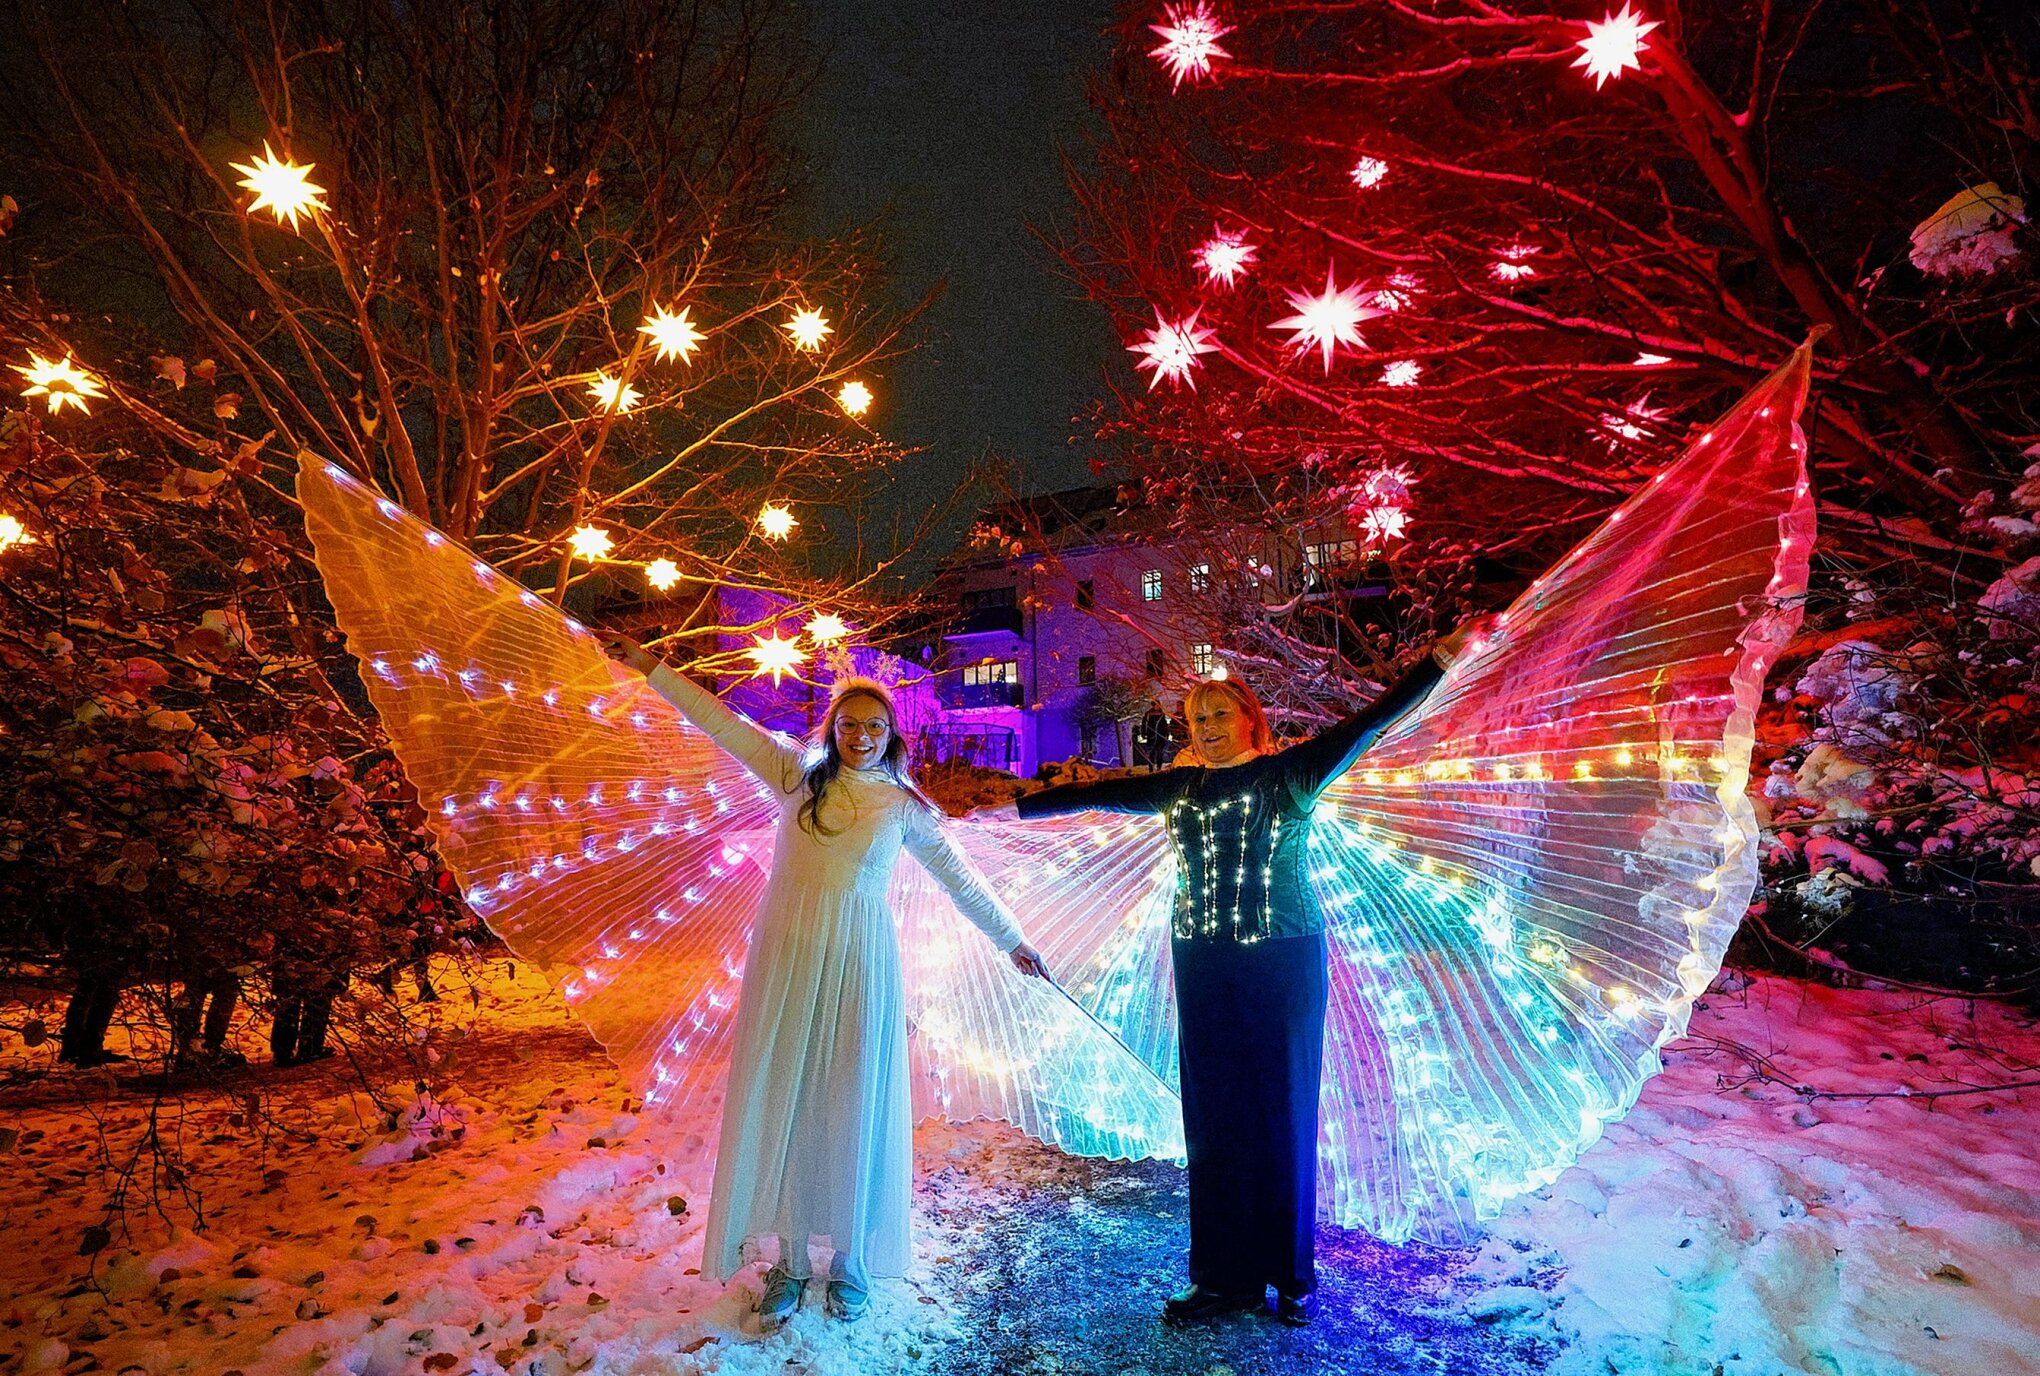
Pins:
x,y
1511,267
1614,45
590,543
1368,173
13,533
1637,421
855,398
772,655
1404,372
662,574
1384,523
1226,256
1328,319
284,189
1190,35
613,393
672,334
776,521
807,329
1171,349
825,628
63,382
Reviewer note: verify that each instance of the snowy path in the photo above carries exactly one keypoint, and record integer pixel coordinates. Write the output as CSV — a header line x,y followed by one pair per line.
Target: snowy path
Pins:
x,y
1737,1228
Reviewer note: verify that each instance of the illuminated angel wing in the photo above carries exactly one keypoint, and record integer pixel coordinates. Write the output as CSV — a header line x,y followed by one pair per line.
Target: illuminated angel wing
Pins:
x,y
1529,878
1091,1071
600,835
608,841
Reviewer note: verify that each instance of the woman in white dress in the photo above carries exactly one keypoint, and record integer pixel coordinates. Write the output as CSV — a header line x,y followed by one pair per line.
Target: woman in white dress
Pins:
x,y
817,1129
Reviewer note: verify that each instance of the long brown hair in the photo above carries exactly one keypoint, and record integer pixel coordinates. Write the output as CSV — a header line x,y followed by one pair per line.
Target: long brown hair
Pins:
x,y
1259,736
823,771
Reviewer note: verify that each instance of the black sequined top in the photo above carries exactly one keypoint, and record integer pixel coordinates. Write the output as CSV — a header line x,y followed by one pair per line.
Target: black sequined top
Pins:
x,y
1242,833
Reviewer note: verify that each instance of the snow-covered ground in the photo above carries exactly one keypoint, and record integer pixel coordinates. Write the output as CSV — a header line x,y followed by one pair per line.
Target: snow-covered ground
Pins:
x,y
529,1222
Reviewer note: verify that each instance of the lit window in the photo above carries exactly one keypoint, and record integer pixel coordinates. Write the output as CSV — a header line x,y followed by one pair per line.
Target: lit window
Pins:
x,y
1200,578
1201,658
991,671
1151,586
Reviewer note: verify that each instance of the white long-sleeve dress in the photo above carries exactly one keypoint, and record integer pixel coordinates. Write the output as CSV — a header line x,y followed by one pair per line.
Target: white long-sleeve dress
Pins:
x,y
817,1129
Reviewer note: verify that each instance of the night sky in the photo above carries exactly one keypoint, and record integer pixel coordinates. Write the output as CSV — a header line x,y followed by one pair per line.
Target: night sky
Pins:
x,y
948,117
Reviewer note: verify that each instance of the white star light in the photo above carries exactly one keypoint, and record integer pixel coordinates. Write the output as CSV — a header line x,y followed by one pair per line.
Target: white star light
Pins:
x,y
589,542
60,380
613,393
662,573
1171,349
1612,46
13,533
1635,421
808,328
672,335
855,398
284,189
1368,173
1189,41
1225,256
771,655
1511,267
1384,523
826,627
776,521
1403,372
1327,320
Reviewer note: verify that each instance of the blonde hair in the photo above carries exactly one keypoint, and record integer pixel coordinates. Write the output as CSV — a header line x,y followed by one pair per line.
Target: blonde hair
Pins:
x,y
1259,736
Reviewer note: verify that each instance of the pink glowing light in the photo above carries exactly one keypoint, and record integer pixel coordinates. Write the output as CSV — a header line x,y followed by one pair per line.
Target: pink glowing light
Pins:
x,y
1226,256
1369,173
1327,320
1613,46
1171,350
1189,43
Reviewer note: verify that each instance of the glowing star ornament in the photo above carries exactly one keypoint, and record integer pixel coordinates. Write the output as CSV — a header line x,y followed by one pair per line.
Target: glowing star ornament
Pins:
x,y
854,398
1226,256
662,574
13,533
808,329
613,393
1190,35
590,543
60,380
284,189
1512,265
1612,46
771,655
1368,173
1171,350
825,628
1384,523
672,334
1635,422
776,521
1403,372
1327,320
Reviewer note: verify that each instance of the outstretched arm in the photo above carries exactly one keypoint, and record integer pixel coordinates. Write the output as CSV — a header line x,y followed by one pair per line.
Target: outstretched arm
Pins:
x,y
771,757
1136,793
1314,763
967,889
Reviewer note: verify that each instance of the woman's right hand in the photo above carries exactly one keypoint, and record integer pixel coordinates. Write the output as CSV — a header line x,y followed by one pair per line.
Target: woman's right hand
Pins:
x,y
630,652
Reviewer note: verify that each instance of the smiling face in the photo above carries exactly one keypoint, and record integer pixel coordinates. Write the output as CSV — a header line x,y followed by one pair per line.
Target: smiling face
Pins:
x,y
861,728
1219,729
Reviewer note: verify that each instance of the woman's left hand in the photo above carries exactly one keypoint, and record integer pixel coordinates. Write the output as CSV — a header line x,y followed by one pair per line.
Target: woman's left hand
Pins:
x,y
1028,961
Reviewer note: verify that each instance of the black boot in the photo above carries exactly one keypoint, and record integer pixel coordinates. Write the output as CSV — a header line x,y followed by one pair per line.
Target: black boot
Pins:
x,y
1296,1310
1200,1302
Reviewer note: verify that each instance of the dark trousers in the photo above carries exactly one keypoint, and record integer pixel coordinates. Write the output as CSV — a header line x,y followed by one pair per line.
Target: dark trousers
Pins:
x,y
1252,1040
87,1017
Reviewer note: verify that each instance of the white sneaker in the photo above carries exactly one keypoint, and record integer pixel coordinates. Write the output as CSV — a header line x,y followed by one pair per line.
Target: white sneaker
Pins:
x,y
781,1300
847,1301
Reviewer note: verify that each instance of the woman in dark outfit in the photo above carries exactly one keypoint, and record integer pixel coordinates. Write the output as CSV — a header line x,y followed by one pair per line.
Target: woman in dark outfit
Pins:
x,y
1249,955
